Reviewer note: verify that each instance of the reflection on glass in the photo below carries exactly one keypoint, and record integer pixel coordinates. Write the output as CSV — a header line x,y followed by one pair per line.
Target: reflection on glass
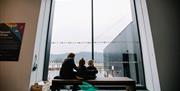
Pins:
x,y
116,40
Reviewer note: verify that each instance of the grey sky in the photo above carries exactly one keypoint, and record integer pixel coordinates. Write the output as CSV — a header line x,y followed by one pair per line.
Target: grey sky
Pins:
x,y
72,23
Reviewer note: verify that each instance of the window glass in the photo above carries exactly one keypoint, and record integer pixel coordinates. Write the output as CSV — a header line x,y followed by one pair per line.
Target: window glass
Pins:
x,y
117,48
71,33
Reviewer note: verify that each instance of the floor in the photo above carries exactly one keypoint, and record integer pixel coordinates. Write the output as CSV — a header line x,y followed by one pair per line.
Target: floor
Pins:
x,y
47,88
102,90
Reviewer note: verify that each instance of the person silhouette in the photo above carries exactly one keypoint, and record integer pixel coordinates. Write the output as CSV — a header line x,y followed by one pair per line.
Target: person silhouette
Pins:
x,y
68,67
92,70
81,70
67,70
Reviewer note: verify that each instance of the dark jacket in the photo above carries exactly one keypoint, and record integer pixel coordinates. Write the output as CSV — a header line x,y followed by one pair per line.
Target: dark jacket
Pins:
x,y
82,72
67,69
92,71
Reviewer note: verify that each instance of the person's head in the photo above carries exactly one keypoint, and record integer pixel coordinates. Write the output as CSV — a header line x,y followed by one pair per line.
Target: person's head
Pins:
x,y
91,62
81,62
71,55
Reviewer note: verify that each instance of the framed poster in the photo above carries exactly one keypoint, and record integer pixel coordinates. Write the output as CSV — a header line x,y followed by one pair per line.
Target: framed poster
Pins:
x,y
11,35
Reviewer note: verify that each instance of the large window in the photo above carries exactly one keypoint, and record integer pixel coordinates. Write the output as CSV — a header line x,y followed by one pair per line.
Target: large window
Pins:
x,y
105,30
71,33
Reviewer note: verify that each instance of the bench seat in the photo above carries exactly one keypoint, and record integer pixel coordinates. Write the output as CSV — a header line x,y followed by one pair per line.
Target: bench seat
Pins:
x,y
126,82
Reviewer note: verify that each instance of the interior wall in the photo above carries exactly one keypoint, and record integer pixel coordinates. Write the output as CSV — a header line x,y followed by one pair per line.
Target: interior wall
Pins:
x,y
164,20
15,75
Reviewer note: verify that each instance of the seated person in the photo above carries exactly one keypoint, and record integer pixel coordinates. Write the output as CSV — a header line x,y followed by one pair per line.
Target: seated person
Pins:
x,y
68,66
67,70
91,69
81,70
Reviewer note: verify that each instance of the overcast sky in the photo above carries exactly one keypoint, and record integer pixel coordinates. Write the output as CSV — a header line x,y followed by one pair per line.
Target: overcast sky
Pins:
x,y
72,23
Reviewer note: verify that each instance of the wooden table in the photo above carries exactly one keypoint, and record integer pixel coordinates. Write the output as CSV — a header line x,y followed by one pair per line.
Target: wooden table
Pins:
x,y
120,81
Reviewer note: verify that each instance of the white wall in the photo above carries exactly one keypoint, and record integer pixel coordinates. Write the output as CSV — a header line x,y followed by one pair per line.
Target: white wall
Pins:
x,y
15,76
40,42
164,20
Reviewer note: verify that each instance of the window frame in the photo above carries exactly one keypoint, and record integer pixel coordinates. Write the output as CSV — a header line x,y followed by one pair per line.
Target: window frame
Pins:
x,y
148,54
149,59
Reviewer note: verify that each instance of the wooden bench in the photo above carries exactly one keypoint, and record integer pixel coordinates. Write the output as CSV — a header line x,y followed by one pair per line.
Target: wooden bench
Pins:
x,y
119,81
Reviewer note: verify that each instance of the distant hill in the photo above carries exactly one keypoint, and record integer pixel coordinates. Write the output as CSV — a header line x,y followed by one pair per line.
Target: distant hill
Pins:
x,y
86,55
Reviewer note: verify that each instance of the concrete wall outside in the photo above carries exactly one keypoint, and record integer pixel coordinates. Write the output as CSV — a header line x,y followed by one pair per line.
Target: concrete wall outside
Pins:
x,y
164,20
15,75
